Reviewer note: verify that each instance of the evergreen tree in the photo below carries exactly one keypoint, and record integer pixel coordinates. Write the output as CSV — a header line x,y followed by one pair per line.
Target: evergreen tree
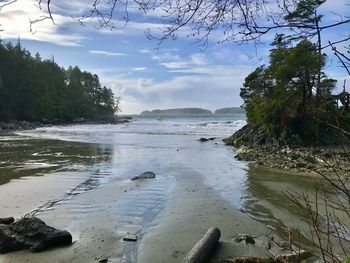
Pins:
x,y
33,89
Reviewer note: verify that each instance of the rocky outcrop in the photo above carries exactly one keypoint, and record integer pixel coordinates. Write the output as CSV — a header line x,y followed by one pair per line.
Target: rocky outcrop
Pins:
x,y
253,145
145,175
251,136
33,234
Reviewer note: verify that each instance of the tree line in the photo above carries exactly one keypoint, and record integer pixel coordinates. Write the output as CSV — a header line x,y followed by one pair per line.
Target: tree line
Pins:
x,y
36,89
291,99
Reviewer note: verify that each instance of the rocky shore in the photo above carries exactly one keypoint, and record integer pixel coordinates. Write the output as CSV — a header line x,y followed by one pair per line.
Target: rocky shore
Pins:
x,y
253,145
18,125
25,125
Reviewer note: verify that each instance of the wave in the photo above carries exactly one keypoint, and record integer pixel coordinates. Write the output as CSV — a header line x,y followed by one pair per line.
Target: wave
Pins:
x,y
103,133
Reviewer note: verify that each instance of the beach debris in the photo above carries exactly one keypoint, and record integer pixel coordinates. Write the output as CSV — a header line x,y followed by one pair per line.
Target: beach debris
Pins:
x,y
204,248
33,234
130,238
206,139
145,175
245,237
7,220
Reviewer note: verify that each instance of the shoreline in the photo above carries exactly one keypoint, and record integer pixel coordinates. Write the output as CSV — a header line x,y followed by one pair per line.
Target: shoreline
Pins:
x,y
314,160
306,161
11,126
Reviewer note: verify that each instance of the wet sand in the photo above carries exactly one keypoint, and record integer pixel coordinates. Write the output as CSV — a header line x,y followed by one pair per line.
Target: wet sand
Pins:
x,y
90,194
181,211
193,207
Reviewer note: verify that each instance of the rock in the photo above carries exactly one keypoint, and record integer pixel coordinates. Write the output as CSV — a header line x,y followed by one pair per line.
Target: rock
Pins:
x,y
7,220
145,175
130,238
265,244
33,234
294,256
207,139
245,237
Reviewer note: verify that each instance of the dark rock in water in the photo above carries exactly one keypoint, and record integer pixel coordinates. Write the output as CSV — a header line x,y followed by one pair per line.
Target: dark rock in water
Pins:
x,y
33,234
206,139
130,238
145,175
7,220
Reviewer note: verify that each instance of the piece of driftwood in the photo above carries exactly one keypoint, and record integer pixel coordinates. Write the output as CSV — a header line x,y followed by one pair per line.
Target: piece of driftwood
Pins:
x,y
205,247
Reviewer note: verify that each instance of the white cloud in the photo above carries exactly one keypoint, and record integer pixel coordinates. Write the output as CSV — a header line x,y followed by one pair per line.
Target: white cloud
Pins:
x,y
106,53
145,51
140,69
198,59
207,86
14,21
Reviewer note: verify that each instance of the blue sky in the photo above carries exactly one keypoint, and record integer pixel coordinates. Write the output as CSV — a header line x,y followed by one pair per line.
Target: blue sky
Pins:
x,y
177,74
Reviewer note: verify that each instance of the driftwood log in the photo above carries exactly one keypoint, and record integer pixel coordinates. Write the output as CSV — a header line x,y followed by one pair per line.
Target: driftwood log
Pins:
x,y
205,247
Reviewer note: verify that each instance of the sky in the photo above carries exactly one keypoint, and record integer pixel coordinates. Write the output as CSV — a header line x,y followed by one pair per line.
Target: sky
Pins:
x,y
177,73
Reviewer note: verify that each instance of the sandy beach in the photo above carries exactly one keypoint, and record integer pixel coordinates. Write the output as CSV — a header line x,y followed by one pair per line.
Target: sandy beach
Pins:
x,y
81,183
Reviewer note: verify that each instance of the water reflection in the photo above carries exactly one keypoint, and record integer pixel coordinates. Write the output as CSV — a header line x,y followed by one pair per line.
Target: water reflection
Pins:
x,y
21,157
268,200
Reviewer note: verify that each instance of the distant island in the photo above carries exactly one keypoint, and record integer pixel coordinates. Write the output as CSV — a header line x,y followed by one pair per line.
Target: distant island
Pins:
x,y
192,111
230,110
181,111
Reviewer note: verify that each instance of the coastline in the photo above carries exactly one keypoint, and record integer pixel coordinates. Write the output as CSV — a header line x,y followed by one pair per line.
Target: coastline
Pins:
x,y
320,160
12,126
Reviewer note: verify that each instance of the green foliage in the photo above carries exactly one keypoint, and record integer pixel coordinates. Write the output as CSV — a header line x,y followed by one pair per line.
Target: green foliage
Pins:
x,y
281,97
33,89
305,11
347,260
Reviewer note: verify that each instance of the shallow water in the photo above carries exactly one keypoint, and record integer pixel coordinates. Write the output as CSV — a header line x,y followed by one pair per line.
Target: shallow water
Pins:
x,y
78,178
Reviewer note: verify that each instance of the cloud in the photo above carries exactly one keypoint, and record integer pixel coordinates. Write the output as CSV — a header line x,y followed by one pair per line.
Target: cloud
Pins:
x,y
14,21
140,69
106,53
175,61
207,86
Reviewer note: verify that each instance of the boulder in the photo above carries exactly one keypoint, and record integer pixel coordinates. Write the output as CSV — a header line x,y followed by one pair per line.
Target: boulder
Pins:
x,y
33,234
206,139
145,175
7,220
